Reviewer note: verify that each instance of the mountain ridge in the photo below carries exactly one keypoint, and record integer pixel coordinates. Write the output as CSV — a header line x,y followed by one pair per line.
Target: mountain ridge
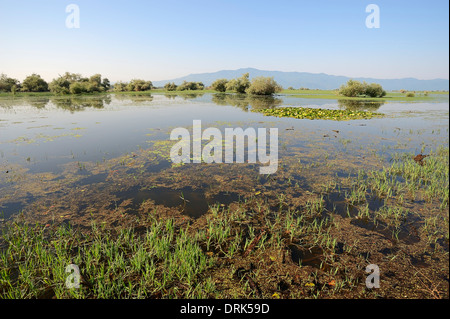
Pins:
x,y
321,81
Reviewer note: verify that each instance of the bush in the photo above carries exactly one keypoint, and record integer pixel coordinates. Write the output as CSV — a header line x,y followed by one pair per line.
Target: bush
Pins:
x,y
139,85
34,83
220,85
239,85
374,90
352,89
60,86
191,86
170,87
410,94
264,86
73,83
106,84
7,84
355,88
77,88
119,86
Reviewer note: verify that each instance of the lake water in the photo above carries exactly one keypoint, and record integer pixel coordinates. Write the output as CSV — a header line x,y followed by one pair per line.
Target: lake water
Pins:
x,y
80,155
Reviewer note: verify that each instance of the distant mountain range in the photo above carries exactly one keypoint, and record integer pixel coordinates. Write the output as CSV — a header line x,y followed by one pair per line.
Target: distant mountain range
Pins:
x,y
312,80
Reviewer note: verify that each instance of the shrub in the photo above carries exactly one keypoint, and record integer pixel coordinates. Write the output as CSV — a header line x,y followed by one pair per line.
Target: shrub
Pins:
x,y
191,86
410,94
374,90
119,86
139,85
220,85
60,86
264,86
106,84
355,88
7,84
75,84
170,87
34,83
77,88
239,85
352,89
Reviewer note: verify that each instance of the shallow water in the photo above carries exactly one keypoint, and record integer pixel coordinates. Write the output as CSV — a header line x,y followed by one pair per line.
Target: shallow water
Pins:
x,y
116,145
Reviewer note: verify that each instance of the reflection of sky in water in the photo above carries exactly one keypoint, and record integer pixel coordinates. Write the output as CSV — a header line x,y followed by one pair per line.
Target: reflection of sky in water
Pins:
x,y
63,130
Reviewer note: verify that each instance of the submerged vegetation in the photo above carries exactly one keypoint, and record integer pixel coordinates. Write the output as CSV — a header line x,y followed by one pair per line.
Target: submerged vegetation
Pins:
x,y
251,249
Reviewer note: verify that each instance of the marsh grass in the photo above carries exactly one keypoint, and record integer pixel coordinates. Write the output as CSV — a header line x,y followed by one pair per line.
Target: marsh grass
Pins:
x,y
122,263
402,186
159,260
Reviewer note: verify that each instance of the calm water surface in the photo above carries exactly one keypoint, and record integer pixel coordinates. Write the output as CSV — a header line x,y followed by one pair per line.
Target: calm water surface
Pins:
x,y
63,138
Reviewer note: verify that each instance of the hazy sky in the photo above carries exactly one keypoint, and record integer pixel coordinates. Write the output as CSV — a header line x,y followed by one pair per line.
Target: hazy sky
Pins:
x,y
159,40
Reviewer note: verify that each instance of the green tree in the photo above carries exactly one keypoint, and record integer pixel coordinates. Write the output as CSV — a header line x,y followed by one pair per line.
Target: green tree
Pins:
x,y
239,85
73,77
352,89
120,86
139,85
355,88
75,84
78,87
170,87
199,86
220,85
106,84
34,83
7,83
374,90
96,79
59,85
192,86
264,86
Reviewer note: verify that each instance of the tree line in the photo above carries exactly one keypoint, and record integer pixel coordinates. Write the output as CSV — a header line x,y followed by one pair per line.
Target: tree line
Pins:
x,y
70,83
74,83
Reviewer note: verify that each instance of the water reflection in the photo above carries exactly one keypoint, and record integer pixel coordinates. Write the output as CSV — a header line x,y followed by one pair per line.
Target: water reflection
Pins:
x,y
79,103
134,97
37,102
170,96
70,103
244,101
355,105
187,96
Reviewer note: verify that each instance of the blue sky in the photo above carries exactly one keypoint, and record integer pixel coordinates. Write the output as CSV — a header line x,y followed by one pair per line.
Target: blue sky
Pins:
x,y
159,40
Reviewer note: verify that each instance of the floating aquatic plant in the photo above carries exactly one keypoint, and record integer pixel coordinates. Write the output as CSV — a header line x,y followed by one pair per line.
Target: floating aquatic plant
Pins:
x,y
318,114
